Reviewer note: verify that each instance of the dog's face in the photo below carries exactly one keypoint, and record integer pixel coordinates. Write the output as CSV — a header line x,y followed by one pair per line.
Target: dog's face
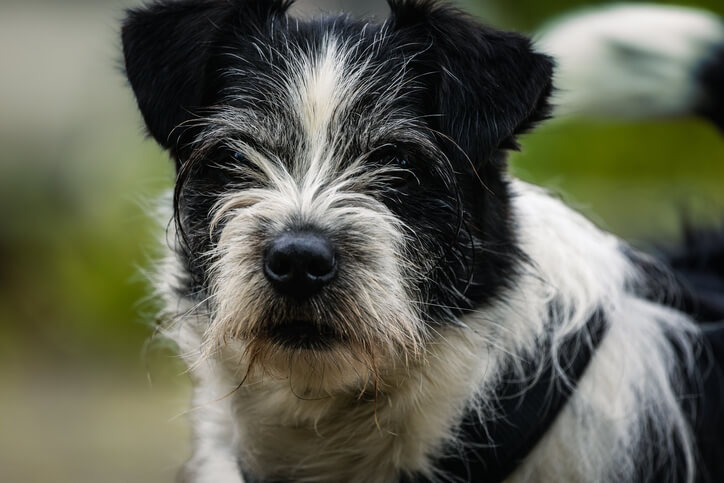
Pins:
x,y
341,185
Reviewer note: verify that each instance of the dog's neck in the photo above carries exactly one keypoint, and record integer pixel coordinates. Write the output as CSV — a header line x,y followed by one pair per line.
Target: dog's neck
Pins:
x,y
409,417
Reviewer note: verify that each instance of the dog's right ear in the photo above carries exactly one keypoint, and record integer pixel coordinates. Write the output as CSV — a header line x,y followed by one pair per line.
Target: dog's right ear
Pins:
x,y
171,50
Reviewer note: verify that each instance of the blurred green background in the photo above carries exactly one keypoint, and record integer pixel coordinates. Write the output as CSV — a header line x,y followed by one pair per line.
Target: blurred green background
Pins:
x,y
82,400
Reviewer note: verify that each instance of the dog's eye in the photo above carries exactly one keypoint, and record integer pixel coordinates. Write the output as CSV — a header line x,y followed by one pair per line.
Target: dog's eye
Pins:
x,y
400,162
402,174
397,166
239,157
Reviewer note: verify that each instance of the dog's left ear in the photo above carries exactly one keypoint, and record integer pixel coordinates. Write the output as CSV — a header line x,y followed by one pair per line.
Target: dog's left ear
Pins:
x,y
487,85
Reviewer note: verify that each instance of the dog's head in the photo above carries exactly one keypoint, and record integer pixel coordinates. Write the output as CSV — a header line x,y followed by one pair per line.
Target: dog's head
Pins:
x,y
341,187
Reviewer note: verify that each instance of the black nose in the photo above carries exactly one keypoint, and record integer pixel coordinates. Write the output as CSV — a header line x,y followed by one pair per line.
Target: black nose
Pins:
x,y
300,264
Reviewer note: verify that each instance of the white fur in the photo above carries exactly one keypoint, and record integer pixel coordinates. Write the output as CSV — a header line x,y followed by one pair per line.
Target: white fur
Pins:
x,y
630,61
322,90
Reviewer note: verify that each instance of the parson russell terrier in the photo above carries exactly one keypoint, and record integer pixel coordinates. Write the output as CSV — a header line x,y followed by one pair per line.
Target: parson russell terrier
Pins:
x,y
363,292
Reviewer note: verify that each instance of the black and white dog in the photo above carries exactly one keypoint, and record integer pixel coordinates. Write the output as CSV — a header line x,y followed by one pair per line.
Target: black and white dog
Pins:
x,y
363,293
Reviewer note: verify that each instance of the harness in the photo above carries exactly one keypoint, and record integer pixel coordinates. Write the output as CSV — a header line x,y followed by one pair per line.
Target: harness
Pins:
x,y
526,408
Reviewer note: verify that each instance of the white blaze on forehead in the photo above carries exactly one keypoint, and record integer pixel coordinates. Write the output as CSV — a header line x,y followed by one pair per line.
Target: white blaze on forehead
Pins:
x,y
321,89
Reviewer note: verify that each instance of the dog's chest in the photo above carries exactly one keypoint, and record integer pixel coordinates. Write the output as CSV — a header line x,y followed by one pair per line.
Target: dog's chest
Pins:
x,y
282,437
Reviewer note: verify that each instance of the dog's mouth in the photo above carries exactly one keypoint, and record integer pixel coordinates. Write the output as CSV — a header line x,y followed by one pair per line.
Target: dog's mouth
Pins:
x,y
302,334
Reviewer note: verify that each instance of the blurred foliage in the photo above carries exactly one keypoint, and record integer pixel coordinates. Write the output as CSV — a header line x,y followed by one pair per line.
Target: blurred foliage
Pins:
x,y
70,253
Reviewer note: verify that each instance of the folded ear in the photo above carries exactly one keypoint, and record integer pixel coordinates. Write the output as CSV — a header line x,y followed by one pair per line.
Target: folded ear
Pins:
x,y
170,49
487,85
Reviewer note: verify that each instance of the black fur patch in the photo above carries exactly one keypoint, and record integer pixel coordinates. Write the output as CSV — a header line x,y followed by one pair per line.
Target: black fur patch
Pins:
x,y
711,77
689,278
699,264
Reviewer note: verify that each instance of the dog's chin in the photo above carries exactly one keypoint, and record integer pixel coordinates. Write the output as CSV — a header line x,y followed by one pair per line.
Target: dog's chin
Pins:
x,y
302,335
313,359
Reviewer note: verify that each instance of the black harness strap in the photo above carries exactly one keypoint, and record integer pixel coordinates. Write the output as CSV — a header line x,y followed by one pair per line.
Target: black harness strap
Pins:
x,y
489,451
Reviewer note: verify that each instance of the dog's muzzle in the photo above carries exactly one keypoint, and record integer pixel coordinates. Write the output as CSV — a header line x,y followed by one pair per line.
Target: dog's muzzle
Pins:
x,y
300,264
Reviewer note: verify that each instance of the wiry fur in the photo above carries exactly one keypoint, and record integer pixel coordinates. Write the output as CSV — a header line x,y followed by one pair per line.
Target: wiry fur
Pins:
x,y
452,276
631,383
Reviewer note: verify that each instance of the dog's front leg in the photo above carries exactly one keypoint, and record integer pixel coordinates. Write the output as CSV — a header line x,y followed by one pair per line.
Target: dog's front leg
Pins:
x,y
214,458
211,468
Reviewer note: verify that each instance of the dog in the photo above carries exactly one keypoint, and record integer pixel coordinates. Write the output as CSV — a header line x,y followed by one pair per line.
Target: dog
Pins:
x,y
361,290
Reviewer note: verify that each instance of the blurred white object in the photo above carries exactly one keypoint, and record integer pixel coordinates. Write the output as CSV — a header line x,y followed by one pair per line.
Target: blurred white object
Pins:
x,y
636,61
